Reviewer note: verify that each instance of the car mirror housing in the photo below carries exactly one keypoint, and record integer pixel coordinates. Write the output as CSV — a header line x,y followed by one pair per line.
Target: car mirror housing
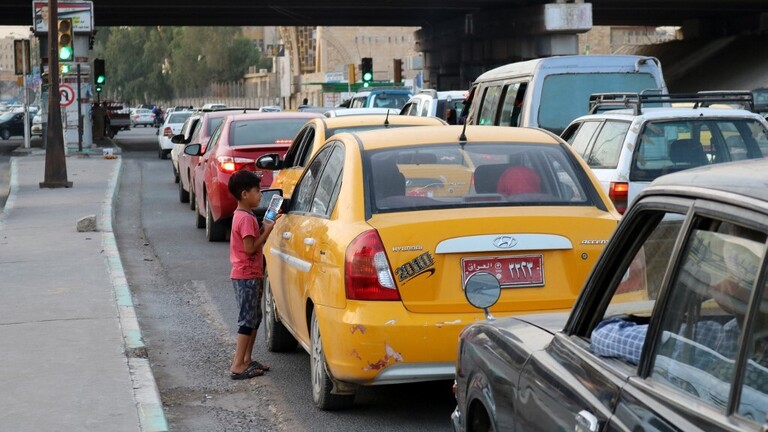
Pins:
x,y
269,162
482,291
193,150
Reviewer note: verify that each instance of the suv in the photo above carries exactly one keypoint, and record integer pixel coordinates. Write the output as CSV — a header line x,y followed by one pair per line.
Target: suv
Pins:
x,y
381,98
629,148
430,103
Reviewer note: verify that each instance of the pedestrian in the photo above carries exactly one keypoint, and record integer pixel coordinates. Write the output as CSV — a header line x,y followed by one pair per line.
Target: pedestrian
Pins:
x,y
246,255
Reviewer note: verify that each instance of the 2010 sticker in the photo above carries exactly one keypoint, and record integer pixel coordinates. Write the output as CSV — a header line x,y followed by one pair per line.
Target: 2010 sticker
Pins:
x,y
414,267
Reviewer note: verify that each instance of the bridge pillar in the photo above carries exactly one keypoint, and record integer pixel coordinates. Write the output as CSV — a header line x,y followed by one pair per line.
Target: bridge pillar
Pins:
x,y
456,52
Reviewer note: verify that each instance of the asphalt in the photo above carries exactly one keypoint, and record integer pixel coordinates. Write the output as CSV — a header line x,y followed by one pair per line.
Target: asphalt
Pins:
x,y
72,354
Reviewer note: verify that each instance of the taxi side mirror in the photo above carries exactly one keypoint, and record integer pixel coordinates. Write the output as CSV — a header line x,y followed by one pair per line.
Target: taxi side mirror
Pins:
x,y
269,162
482,291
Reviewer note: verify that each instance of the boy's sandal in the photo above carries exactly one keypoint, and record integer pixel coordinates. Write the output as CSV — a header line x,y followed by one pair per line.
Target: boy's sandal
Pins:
x,y
258,365
249,372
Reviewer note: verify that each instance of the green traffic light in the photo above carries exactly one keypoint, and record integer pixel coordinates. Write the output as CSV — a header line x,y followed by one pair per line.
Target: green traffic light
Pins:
x,y
100,79
367,76
98,89
65,68
65,53
366,84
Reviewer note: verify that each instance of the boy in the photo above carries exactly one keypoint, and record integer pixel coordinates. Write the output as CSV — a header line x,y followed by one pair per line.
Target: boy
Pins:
x,y
246,256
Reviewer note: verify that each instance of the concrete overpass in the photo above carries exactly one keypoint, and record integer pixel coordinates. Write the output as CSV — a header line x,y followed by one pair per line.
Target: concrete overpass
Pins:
x,y
459,38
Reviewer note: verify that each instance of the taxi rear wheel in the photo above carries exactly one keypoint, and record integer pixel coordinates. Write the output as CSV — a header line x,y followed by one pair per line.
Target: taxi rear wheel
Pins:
x,y
279,339
321,382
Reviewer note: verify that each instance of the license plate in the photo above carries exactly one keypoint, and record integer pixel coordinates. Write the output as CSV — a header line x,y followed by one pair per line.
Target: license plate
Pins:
x,y
512,271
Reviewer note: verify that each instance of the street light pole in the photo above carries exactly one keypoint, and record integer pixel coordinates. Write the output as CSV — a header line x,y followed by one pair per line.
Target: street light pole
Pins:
x,y
26,98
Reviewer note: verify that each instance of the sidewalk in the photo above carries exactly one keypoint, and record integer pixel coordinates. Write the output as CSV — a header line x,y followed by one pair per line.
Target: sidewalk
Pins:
x,y
71,353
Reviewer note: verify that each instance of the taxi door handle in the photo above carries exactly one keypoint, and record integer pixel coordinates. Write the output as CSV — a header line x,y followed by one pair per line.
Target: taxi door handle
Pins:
x,y
287,235
309,241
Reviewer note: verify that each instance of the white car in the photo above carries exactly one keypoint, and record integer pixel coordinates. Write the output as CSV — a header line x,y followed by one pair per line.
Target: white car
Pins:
x,y
431,103
37,125
171,127
190,126
142,116
629,148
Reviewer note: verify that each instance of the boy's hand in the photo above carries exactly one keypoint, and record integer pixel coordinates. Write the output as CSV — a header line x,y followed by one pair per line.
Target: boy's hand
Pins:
x,y
267,225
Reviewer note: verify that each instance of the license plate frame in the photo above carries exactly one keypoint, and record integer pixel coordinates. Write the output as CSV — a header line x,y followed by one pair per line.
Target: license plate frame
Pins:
x,y
513,271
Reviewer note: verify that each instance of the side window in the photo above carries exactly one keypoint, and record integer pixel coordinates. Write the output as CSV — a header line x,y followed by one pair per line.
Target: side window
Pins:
x,y
424,112
489,105
513,103
306,187
195,139
214,138
409,109
305,150
754,391
292,154
583,136
322,204
606,150
621,332
704,315
760,135
734,142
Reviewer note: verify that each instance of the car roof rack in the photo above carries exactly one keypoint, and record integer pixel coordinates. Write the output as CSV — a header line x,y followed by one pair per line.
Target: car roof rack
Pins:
x,y
702,99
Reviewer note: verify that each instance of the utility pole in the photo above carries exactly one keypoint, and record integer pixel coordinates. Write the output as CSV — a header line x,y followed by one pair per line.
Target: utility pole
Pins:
x,y
55,160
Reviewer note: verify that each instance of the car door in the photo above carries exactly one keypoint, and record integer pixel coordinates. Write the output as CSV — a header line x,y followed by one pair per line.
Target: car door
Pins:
x,y
694,373
294,248
567,386
314,236
17,126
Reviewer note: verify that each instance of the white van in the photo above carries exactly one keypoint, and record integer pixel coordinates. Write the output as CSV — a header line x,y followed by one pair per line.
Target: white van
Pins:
x,y
550,92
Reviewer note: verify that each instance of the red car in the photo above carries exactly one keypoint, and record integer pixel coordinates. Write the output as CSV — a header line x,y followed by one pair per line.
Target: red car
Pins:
x,y
235,145
209,120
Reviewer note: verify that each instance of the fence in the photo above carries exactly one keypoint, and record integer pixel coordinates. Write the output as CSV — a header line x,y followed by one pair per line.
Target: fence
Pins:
x,y
238,93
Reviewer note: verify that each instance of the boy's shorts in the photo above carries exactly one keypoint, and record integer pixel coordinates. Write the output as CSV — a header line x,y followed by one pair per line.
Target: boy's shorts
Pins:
x,y
248,293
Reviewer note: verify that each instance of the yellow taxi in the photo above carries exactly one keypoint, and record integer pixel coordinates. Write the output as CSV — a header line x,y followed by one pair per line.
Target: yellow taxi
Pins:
x,y
316,131
366,272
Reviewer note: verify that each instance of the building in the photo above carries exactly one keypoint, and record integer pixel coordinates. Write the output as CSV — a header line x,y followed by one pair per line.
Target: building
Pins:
x,y
609,40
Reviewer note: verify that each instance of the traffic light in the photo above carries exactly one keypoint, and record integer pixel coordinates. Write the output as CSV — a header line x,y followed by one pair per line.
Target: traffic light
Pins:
x,y
99,74
352,76
64,68
366,68
397,69
66,40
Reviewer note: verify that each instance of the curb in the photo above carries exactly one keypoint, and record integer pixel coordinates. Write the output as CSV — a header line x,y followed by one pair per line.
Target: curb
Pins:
x,y
12,187
145,392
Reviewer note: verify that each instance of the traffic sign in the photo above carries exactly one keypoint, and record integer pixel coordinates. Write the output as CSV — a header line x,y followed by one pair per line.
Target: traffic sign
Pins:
x,y
67,95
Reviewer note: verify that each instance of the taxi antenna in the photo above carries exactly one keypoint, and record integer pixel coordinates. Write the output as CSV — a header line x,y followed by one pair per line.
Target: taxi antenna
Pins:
x,y
463,136
386,119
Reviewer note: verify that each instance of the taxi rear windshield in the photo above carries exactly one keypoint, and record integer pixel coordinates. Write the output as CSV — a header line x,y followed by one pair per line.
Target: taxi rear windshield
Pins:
x,y
476,175
265,131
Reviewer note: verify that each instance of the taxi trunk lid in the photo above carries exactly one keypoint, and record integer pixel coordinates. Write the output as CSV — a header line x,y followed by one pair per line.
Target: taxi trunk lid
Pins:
x,y
542,255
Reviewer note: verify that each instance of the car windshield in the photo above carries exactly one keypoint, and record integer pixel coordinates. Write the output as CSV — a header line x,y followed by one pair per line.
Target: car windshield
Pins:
x,y
389,100
566,96
477,175
265,131
179,117
670,146
6,116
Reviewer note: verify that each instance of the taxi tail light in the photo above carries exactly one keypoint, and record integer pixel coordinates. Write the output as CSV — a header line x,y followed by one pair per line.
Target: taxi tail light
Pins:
x,y
619,194
168,132
229,164
367,274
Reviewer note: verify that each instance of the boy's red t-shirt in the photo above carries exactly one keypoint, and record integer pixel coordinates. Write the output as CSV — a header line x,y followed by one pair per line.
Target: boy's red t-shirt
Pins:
x,y
244,266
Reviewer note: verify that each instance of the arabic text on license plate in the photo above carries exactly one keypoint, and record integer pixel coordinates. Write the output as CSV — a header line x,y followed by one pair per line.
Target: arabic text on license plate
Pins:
x,y
511,271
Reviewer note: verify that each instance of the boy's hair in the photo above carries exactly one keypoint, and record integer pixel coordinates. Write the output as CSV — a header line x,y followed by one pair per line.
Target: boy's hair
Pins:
x,y
241,181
